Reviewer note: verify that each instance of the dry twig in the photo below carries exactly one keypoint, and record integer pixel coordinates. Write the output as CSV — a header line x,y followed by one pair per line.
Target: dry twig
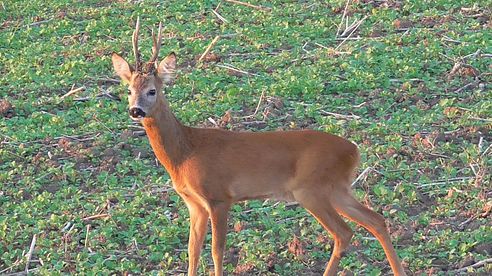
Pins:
x,y
257,107
218,6
211,120
248,123
475,265
73,91
339,116
461,225
103,94
443,181
87,235
468,85
209,48
105,79
343,17
486,150
259,103
353,28
472,55
230,67
361,175
95,217
220,17
349,28
15,264
448,39
331,50
29,254
38,23
249,5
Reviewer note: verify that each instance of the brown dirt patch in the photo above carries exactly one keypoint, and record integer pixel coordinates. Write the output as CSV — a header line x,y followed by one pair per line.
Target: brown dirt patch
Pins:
x,y
6,109
296,247
484,249
402,24
210,57
244,269
50,188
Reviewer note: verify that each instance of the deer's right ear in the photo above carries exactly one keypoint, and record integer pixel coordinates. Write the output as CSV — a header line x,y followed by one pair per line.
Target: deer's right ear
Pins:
x,y
122,68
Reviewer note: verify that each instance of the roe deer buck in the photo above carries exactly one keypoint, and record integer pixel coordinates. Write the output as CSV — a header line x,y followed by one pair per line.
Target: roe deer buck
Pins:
x,y
212,168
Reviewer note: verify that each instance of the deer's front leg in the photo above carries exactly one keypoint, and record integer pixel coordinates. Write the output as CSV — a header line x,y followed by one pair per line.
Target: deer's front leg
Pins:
x,y
198,229
218,217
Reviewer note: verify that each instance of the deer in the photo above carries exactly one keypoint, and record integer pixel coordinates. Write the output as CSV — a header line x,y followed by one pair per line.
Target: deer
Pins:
x,y
211,168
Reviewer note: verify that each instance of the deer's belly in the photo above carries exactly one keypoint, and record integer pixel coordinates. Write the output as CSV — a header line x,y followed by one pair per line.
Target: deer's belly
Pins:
x,y
261,188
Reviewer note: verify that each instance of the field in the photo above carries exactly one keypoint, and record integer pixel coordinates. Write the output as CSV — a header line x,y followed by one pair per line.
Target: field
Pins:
x,y
408,81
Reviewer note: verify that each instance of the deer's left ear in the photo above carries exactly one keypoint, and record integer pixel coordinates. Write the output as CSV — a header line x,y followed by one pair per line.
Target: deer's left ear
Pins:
x,y
167,67
122,68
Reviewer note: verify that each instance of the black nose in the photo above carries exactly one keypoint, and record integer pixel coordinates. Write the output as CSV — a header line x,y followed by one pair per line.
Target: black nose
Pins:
x,y
136,112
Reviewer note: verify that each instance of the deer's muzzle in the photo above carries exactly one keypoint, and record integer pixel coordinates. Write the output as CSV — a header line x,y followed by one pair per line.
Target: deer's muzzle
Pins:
x,y
136,113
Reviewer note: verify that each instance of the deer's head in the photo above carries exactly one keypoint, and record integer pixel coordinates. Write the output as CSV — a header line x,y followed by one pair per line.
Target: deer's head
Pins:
x,y
145,80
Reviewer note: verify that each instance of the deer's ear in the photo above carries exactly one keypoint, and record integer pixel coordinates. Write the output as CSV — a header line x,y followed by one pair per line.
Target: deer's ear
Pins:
x,y
122,68
167,67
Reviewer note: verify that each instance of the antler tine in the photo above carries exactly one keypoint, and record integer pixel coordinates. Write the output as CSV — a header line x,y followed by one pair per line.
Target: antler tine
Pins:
x,y
135,44
156,44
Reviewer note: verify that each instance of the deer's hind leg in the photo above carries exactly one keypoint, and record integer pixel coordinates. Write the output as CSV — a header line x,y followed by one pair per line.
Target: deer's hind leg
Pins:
x,y
352,209
319,206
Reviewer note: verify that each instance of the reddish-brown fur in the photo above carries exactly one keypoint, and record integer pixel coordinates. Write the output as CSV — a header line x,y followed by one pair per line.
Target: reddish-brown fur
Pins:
x,y
211,169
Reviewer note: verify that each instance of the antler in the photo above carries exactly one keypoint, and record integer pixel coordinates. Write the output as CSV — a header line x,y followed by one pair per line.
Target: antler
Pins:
x,y
135,44
156,44
150,66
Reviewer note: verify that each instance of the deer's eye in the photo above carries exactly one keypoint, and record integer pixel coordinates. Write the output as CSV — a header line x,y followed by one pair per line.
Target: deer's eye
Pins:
x,y
152,92
129,92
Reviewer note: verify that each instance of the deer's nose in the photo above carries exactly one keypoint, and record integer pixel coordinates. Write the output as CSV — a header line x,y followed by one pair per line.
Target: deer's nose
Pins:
x,y
136,112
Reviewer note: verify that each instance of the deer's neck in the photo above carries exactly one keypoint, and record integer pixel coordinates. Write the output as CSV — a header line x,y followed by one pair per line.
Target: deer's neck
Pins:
x,y
168,137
